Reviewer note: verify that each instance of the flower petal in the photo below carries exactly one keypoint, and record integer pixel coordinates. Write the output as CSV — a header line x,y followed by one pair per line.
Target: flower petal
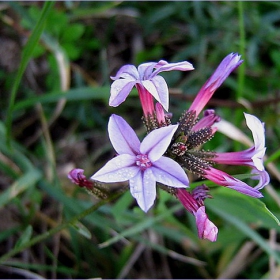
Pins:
x,y
122,136
223,179
257,128
206,229
162,91
163,65
119,91
156,142
151,88
127,72
170,173
145,70
228,64
143,189
262,176
118,169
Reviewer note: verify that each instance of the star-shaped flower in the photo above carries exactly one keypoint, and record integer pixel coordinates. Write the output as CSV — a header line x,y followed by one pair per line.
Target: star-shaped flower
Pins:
x,y
146,79
143,164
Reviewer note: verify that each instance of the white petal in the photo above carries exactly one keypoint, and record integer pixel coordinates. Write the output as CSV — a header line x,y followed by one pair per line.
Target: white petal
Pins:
x,y
122,136
150,87
145,70
120,89
170,173
156,142
118,169
128,72
162,91
143,189
257,128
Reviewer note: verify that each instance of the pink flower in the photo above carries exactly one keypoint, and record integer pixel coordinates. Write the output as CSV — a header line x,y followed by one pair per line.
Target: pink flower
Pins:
x,y
195,205
252,157
228,64
77,177
147,82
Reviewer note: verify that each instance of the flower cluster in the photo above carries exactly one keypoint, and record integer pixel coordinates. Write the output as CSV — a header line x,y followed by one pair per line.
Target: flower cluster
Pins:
x,y
169,151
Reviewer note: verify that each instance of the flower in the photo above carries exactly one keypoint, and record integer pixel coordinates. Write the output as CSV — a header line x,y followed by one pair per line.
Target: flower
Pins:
x,y
252,157
228,64
77,177
223,179
147,82
194,203
143,164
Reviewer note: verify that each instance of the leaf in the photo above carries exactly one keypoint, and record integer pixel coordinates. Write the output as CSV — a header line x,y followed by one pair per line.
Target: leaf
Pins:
x,y
26,181
86,93
238,209
248,209
26,55
25,236
141,226
81,229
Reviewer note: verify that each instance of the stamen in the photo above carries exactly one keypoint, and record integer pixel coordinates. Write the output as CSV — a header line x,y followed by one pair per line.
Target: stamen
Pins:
x,y
143,162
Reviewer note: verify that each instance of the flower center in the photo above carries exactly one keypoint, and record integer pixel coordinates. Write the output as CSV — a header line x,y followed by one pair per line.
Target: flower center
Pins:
x,y
143,162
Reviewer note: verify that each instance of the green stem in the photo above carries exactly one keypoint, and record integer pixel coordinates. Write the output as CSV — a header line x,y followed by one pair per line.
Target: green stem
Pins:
x,y
55,230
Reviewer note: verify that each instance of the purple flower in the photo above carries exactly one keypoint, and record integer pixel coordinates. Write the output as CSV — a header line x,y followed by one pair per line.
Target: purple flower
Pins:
x,y
193,202
228,64
223,179
252,157
143,164
146,80
77,177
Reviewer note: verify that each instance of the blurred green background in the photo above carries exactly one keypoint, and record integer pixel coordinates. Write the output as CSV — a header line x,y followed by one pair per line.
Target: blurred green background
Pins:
x,y
56,59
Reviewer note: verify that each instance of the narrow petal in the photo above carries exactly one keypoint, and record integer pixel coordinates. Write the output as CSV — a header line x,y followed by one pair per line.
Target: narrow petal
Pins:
x,y
119,91
156,142
170,173
122,136
145,70
262,176
228,64
118,169
223,179
150,87
257,128
143,189
206,229
163,65
128,72
162,90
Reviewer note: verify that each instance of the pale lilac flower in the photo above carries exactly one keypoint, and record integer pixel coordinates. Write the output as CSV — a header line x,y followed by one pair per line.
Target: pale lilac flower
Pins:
x,y
143,164
228,64
193,202
77,177
253,156
146,80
